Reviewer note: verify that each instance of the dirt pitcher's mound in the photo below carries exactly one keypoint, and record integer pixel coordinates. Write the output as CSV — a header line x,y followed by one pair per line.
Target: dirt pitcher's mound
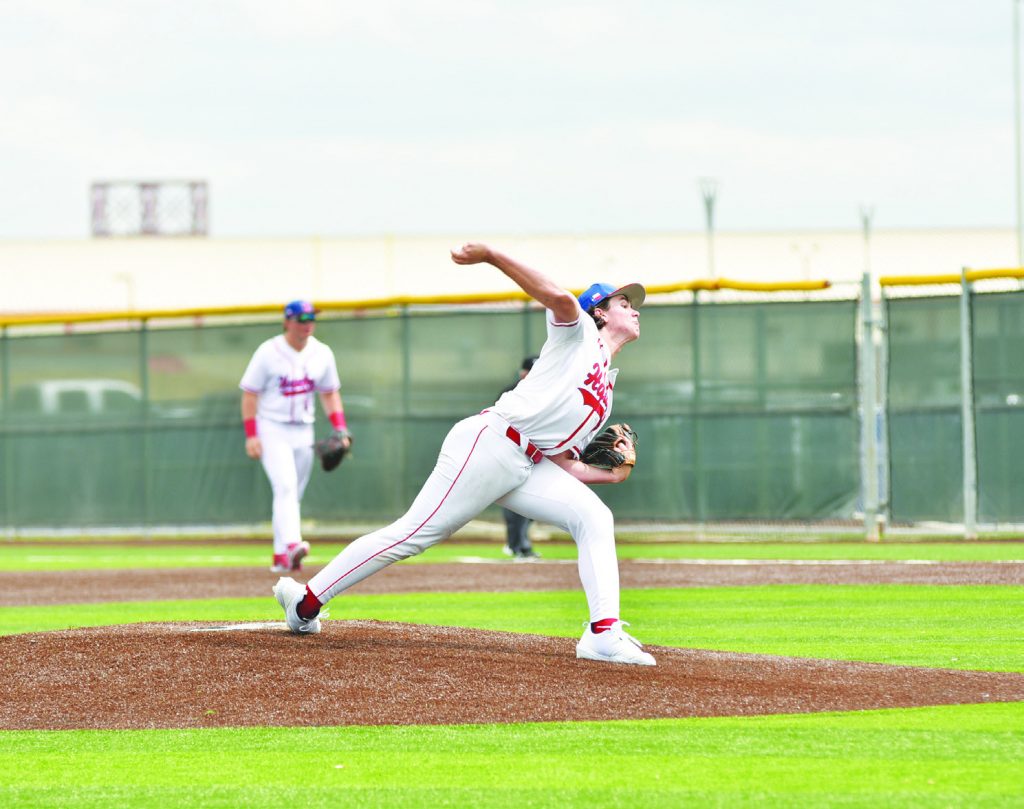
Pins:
x,y
371,673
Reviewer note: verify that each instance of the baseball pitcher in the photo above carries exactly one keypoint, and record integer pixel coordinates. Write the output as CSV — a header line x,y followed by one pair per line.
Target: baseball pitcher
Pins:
x,y
526,453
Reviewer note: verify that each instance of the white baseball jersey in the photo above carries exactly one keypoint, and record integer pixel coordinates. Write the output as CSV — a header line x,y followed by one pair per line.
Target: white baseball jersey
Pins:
x,y
566,398
286,380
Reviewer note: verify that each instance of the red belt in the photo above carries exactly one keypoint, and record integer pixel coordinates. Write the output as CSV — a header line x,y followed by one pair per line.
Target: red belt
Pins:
x,y
531,451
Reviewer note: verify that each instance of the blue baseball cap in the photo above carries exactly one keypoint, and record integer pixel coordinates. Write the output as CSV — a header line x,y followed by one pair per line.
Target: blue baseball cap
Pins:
x,y
303,311
595,293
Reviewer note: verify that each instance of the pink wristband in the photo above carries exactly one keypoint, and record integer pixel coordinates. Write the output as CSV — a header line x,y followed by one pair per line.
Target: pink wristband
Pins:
x,y
338,420
250,427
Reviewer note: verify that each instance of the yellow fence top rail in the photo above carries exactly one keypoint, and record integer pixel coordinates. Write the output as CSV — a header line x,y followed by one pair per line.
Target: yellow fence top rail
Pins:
x,y
951,278
68,318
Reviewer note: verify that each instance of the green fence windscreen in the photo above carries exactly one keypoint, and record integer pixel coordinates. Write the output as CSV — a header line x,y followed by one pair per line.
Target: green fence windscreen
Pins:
x,y
744,411
926,470
925,425
999,401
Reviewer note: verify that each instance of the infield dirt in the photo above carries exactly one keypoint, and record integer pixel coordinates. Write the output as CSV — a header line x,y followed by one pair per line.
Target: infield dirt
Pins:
x,y
369,672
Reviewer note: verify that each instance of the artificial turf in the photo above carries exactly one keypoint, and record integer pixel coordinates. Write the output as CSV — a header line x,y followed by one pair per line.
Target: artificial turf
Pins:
x,y
24,555
942,756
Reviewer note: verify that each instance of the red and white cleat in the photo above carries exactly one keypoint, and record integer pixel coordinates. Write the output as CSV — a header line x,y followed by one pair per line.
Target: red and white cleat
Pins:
x,y
613,645
297,551
281,563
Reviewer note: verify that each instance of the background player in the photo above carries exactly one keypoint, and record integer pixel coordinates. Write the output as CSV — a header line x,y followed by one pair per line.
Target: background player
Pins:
x,y
278,413
523,453
517,527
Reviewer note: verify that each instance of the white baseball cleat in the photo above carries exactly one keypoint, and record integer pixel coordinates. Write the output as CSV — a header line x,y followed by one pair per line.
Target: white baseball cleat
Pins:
x,y
613,645
289,593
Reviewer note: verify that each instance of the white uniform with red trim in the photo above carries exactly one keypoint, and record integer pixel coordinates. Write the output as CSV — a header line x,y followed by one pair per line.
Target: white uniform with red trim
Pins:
x,y
286,382
566,398
485,458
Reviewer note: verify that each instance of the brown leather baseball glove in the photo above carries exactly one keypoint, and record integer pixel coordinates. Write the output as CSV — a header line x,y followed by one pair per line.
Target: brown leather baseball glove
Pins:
x,y
332,450
611,448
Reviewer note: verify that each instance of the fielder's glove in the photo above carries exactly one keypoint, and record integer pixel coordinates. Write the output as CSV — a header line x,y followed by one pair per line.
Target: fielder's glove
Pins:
x,y
613,447
332,450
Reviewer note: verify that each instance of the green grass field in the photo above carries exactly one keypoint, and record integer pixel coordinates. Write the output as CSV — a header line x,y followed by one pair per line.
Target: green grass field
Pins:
x,y
943,756
28,555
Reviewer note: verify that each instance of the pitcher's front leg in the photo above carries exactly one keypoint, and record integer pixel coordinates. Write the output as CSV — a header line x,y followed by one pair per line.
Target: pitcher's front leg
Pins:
x,y
475,467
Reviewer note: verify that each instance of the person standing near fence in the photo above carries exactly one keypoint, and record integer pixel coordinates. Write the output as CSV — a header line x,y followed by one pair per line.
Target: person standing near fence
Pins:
x,y
517,527
278,413
523,453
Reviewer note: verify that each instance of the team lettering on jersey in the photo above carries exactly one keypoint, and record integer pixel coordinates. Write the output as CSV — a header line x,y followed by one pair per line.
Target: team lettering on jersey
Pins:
x,y
597,397
295,387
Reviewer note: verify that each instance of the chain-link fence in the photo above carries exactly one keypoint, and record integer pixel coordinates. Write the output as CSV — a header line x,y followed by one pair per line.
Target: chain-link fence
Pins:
x,y
749,412
933,451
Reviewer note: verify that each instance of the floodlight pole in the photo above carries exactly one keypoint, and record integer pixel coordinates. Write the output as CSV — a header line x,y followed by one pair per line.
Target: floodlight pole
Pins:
x,y
1016,132
709,191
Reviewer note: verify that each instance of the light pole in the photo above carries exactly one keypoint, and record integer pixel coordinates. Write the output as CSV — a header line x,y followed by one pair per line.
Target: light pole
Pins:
x,y
867,212
708,191
806,253
129,286
1016,130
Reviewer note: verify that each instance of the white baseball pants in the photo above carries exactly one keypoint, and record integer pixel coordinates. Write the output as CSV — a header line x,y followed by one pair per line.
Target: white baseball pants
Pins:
x,y
479,465
288,461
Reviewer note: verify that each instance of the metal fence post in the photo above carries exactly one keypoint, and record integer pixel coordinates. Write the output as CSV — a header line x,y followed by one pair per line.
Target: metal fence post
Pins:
x,y
868,413
698,464
406,430
885,467
527,342
6,461
970,460
147,405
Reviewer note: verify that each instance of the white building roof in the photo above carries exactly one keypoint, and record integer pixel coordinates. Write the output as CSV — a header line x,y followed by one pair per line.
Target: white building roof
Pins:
x,y
143,273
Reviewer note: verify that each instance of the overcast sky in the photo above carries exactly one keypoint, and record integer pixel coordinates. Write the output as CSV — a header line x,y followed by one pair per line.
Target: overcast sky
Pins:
x,y
514,116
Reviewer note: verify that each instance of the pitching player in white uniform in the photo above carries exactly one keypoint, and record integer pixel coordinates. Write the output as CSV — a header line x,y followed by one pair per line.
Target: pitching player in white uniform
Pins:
x,y
278,412
522,453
